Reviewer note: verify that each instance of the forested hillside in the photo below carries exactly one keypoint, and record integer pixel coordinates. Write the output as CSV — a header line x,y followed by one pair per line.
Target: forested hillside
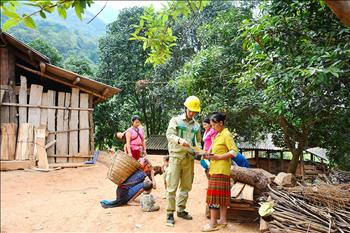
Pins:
x,y
69,37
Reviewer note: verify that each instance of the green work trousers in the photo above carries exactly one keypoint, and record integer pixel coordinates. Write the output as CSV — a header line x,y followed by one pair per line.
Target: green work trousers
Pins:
x,y
179,175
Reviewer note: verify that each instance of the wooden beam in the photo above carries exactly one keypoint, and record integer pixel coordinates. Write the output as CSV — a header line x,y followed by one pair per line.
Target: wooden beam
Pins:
x,y
48,145
30,55
48,107
76,81
60,81
69,130
42,67
71,156
14,165
2,37
341,10
105,92
69,165
24,57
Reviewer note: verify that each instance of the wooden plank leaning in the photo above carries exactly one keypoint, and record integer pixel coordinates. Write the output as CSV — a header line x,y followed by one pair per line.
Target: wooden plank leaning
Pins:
x,y
8,141
25,141
84,123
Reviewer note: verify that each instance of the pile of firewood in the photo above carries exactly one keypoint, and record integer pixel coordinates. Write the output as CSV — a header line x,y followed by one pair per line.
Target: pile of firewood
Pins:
x,y
323,208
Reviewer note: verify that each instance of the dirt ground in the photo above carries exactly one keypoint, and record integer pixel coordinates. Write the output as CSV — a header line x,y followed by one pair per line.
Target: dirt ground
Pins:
x,y
68,200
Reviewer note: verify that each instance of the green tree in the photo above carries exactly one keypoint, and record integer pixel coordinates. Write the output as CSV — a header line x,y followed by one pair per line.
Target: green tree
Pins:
x,y
154,28
290,79
47,50
79,65
122,65
296,75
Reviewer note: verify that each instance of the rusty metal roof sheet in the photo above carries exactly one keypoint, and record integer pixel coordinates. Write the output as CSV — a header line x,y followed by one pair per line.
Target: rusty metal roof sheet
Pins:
x,y
157,142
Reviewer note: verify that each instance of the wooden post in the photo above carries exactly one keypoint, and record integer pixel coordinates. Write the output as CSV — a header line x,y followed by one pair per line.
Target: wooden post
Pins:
x,y
12,99
257,158
73,124
5,110
4,61
8,141
323,166
268,161
84,123
282,161
302,170
51,124
23,96
91,123
40,148
4,82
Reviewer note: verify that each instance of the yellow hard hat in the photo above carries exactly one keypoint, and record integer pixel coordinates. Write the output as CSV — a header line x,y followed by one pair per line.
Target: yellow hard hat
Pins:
x,y
193,104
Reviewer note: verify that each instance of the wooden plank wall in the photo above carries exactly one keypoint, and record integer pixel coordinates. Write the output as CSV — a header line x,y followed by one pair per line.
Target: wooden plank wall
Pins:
x,y
69,131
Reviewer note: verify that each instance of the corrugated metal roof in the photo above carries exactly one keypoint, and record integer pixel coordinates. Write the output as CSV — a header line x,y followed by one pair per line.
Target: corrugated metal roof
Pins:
x,y
266,144
319,152
157,142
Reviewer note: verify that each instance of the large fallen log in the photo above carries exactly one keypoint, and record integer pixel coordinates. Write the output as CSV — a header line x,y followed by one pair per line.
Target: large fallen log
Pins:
x,y
252,177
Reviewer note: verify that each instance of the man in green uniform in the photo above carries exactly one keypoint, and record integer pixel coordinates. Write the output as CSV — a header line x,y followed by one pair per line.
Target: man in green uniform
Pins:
x,y
183,131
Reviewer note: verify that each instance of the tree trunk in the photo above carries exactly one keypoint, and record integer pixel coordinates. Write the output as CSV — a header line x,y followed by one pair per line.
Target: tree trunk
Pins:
x,y
295,161
253,177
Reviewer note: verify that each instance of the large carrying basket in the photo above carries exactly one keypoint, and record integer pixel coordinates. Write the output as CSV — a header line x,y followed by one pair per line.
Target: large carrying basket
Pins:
x,y
122,166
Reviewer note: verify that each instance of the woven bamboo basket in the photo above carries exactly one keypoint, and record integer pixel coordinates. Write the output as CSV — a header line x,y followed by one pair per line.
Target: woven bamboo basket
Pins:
x,y
122,166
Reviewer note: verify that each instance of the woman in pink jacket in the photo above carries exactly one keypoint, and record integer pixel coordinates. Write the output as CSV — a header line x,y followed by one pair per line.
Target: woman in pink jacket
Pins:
x,y
208,138
135,139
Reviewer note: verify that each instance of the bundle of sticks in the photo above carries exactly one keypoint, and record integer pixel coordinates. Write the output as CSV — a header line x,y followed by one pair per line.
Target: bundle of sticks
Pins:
x,y
321,209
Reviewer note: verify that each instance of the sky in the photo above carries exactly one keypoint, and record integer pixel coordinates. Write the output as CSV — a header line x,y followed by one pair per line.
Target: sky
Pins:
x,y
118,5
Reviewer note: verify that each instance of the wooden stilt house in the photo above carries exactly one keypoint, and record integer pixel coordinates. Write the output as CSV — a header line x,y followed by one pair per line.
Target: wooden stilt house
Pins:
x,y
39,98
